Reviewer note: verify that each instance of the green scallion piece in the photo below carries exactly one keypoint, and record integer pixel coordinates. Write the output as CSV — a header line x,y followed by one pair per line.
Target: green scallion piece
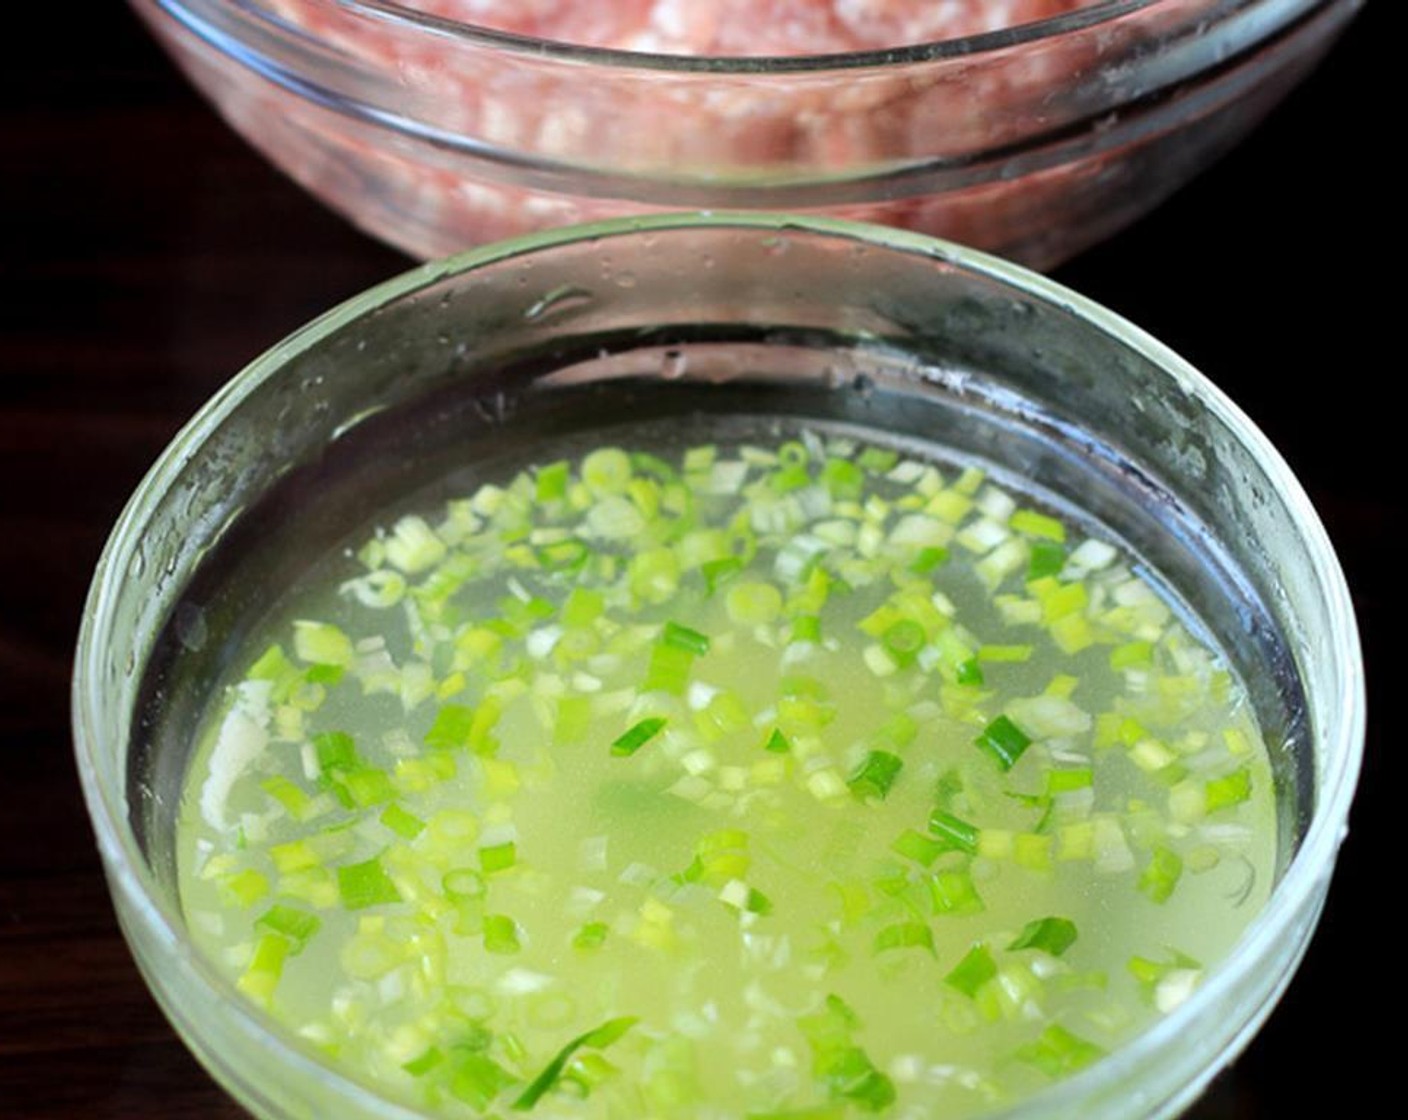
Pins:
x,y
291,797
335,750
1047,559
551,483
921,849
1065,781
478,1079
637,736
427,1061
365,884
1058,1053
786,479
952,832
574,717
843,478
564,556
953,892
463,884
904,935
402,822
1004,741
1162,873
583,607
273,665
718,572
1037,525
498,857
297,925
452,727
852,1076
1232,789
1131,655
806,628
598,1039
368,786
1149,973
877,460
903,640
669,669
845,1069
606,470
501,934
753,603
261,976
324,674
928,559
1050,935
875,776
591,936
646,463
682,637
321,643
972,972
969,672
777,743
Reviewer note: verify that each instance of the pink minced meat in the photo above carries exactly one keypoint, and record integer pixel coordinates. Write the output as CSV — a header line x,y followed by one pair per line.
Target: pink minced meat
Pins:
x,y
599,144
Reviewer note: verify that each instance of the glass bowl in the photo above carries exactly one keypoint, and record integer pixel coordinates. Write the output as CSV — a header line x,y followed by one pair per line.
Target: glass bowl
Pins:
x,y
519,344
1032,142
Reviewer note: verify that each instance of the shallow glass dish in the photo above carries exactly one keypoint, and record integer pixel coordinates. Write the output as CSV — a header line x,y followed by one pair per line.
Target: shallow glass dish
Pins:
x,y
508,348
1032,142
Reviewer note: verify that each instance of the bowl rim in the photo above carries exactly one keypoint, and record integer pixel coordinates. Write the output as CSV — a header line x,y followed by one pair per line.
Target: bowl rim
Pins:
x,y
1267,15
1306,872
1095,12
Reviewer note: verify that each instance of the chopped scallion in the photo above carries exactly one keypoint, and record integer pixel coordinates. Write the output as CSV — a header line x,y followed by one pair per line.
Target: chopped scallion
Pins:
x,y
1058,1053
296,925
1004,741
600,1038
777,743
682,637
365,884
1050,935
876,775
501,934
952,832
903,935
637,735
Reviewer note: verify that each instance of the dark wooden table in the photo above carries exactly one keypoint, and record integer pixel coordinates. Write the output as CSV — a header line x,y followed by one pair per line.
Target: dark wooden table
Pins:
x,y
147,254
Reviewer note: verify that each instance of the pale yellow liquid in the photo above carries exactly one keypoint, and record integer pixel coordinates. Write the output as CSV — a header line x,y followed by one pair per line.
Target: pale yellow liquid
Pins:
x,y
718,994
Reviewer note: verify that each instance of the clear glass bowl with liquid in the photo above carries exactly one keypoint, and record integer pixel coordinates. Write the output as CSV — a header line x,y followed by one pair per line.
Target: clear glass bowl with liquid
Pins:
x,y
512,347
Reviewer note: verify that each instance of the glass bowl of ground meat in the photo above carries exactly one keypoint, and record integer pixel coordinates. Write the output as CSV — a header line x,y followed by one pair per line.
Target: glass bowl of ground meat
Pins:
x,y
1030,128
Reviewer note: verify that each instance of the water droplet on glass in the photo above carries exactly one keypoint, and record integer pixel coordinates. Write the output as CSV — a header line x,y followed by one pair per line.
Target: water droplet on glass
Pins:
x,y
673,365
191,628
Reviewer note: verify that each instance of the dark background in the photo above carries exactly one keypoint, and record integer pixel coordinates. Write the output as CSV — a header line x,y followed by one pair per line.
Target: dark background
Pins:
x,y
146,254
